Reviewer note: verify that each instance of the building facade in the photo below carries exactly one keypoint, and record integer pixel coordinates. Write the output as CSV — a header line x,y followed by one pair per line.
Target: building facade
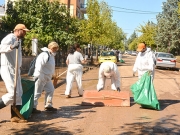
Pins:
x,y
77,7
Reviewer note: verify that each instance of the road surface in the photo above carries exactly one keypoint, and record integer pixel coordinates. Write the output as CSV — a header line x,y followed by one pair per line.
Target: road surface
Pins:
x,y
74,119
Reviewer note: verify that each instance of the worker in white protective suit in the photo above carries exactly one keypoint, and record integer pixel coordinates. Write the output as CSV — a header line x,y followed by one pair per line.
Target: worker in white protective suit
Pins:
x,y
75,70
8,47
144,61
109,70
44,70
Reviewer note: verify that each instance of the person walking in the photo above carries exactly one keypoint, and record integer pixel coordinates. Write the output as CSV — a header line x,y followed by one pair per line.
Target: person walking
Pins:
x,y
44,69
8,47
109,70
144,61
75,70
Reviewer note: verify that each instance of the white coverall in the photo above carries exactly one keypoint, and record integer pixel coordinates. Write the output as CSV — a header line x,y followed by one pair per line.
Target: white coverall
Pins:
x,y
120,56
144,62
8,59
44,69
75,71
115,76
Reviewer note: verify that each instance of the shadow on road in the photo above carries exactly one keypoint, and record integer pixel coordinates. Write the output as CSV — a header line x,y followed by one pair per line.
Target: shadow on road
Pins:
x,y
165,103
166,125
63,112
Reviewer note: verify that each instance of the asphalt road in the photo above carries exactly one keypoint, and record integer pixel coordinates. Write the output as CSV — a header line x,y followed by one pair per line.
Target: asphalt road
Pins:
x,y
74,119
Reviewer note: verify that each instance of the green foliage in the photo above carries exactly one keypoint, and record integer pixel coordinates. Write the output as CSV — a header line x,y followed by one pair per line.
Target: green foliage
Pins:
x,y
47,21
133,44
99,29
130,40
168,30
148,34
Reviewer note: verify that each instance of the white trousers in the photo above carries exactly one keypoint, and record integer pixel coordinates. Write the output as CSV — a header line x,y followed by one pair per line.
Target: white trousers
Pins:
x,y
115,83
8,74
74,72
44,83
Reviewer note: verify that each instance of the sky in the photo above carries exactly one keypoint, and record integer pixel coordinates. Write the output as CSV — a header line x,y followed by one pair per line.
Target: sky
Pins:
x,y
129,22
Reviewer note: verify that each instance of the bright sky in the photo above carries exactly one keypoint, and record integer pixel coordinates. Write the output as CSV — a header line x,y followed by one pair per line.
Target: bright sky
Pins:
x,y
130,21
2,2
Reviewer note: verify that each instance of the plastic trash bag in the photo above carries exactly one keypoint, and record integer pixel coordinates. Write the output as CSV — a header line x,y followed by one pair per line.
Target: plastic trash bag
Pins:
x,y
144,92
27,97
121,61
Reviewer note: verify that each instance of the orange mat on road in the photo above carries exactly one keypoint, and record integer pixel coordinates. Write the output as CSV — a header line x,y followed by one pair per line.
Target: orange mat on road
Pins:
x,y
106,98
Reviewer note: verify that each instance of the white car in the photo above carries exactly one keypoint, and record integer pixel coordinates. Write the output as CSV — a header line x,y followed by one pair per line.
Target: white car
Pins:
x,y
134,53
165,60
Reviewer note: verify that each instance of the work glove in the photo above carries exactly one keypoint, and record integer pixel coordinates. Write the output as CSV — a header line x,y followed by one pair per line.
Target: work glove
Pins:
x,y
15,45
118,89
150,72
35,78
100,90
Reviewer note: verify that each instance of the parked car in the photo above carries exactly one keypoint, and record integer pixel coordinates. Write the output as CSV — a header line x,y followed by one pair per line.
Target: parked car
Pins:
x,y
107,56
165,60
134,53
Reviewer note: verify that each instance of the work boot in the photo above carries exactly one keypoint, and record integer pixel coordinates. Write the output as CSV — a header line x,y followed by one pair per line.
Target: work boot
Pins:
x,y
118,89
14,117
2,105
18,120
68,96
36,111
50,109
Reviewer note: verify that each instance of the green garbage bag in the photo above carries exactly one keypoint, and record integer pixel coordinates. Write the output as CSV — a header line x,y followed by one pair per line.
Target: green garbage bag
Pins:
x,y
27,97
122,61
144,92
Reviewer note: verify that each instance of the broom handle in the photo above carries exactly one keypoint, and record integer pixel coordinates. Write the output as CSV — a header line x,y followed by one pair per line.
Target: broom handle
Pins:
x,y
61,74
15,78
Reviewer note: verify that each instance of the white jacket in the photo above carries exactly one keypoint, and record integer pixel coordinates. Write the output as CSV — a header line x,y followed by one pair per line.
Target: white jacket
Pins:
x,y
144,62
8,56
115,76
43,65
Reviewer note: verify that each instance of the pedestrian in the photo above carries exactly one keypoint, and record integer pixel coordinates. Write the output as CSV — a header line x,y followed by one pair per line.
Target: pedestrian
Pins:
x,y
144,61
8,47
120,56
44,70
109,70
75,70
117,55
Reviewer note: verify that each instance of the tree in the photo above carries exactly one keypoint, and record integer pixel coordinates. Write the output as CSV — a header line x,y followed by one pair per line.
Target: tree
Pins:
x,y
98,28
148,34
168,30
130,40
47,20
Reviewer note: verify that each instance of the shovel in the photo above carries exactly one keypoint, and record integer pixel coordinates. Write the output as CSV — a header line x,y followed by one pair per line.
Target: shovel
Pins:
x,y
15,88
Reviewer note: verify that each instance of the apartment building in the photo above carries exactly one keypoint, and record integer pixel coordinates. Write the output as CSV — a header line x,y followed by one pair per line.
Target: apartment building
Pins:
x,y
77,7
